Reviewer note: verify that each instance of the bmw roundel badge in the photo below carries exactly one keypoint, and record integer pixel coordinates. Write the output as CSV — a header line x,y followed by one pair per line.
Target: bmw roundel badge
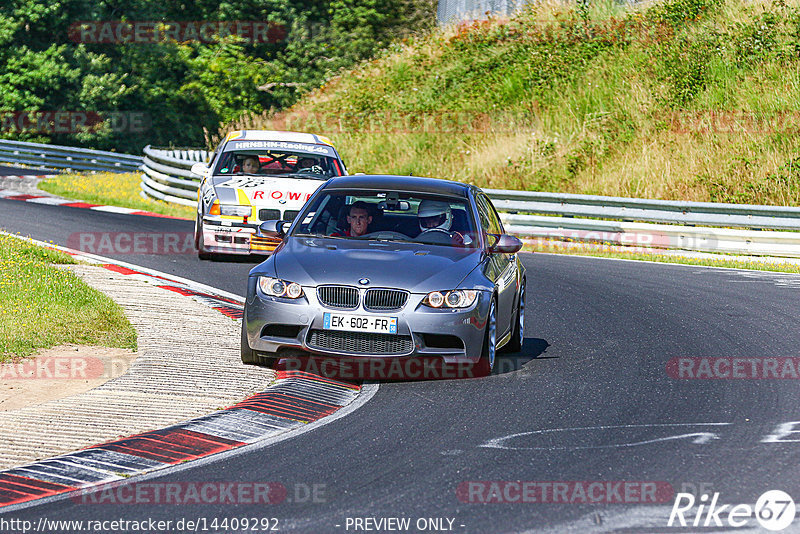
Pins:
x,y
364,281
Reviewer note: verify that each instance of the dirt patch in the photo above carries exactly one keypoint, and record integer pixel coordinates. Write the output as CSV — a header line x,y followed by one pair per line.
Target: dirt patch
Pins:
x,y
59,372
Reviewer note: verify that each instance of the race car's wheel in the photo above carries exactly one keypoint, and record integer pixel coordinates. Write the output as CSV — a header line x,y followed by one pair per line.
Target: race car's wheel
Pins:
x,y
199,240
518,334
486,363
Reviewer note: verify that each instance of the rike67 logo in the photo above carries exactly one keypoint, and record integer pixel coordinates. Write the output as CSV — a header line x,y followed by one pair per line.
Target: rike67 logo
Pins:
x,y
774,510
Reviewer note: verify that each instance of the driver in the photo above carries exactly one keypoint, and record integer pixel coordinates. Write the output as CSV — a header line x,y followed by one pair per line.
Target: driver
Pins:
x,y
434,215
306,163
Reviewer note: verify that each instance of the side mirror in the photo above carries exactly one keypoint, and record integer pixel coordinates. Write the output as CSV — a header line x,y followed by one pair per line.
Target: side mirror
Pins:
x,y
274,228
505,244
199,169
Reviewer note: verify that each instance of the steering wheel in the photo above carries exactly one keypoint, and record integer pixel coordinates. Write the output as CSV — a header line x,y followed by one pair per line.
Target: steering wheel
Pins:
x,y
386,234
435,236
432,230
315,169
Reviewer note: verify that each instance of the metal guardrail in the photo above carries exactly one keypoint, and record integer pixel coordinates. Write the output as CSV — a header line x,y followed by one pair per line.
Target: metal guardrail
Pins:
x,y
698,226
449,11
167,174
66,157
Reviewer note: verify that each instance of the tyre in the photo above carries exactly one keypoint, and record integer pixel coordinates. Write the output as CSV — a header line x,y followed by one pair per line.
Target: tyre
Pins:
x,y
198,241
251,357
518,334
486,363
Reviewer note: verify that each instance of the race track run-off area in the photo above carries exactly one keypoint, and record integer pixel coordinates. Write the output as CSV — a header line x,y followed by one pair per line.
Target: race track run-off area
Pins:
x,y
641,389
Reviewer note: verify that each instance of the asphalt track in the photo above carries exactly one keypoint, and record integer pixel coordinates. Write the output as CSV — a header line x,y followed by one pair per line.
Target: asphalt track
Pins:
x,y
589,393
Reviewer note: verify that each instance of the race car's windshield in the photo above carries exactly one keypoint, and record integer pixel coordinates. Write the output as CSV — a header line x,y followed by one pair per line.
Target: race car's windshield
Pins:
x,y
389,216
278,163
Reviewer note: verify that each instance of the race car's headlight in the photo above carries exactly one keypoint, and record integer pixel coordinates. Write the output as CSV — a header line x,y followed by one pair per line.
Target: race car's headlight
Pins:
x,y
279,288
457,298
233,210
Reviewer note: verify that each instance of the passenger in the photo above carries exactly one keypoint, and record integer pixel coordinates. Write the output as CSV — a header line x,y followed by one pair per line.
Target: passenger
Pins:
x,y
251,165
358,218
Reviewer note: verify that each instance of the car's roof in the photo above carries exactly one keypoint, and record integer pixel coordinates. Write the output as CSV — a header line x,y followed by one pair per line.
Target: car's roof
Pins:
x,y
274,135
416,184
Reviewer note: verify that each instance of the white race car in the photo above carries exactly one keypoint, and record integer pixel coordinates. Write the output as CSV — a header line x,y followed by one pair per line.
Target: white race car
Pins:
x,y
256,176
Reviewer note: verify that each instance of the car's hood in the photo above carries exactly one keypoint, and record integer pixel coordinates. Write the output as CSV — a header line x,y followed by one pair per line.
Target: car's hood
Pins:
x,y
412,266
265,190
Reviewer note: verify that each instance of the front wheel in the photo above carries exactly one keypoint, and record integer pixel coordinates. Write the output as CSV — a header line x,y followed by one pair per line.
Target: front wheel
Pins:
x,y
251,357
199,240
486,363
518,335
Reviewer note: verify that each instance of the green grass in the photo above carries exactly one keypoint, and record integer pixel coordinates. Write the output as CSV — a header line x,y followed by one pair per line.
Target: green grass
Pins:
x,y
721,261
111,189
42,306
637,102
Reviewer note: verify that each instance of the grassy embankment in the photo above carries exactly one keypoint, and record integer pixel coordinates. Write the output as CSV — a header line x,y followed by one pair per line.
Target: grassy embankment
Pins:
x,y
684,99
42,306
679,100
111,189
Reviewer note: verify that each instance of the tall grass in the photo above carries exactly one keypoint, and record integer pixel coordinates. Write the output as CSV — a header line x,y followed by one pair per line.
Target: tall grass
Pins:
x,y
682,99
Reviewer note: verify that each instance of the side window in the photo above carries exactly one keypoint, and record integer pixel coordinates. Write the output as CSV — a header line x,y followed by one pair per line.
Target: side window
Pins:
x,y
217,151
483,214
490,222
494,218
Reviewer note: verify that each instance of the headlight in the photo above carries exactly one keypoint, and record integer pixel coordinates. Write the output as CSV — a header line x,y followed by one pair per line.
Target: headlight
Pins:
x,y
279,288
457,298
236,211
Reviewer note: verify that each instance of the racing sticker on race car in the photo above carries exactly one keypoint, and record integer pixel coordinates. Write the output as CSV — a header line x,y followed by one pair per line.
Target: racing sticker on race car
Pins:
x,y
277,194
281,145
247,181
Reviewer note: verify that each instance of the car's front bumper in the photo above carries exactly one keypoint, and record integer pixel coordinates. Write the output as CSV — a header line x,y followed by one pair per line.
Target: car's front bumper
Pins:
x,y
236,238
280,327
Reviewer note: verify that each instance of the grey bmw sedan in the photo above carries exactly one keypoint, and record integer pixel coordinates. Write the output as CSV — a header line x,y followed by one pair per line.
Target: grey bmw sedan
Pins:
x,y
388,267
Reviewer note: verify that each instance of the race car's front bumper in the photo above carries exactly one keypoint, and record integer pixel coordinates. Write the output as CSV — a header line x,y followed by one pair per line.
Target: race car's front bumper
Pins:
x,y
228,237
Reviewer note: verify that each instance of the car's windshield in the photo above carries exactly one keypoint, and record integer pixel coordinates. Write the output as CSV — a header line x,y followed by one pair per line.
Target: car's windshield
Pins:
x,y
389,216
278,163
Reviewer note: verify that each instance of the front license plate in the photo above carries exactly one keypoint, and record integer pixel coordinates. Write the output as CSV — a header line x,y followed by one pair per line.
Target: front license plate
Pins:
x,y
359,323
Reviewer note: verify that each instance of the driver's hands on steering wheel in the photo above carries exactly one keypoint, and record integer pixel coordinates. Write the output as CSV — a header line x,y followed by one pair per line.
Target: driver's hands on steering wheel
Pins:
x,y
456,237
315,169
